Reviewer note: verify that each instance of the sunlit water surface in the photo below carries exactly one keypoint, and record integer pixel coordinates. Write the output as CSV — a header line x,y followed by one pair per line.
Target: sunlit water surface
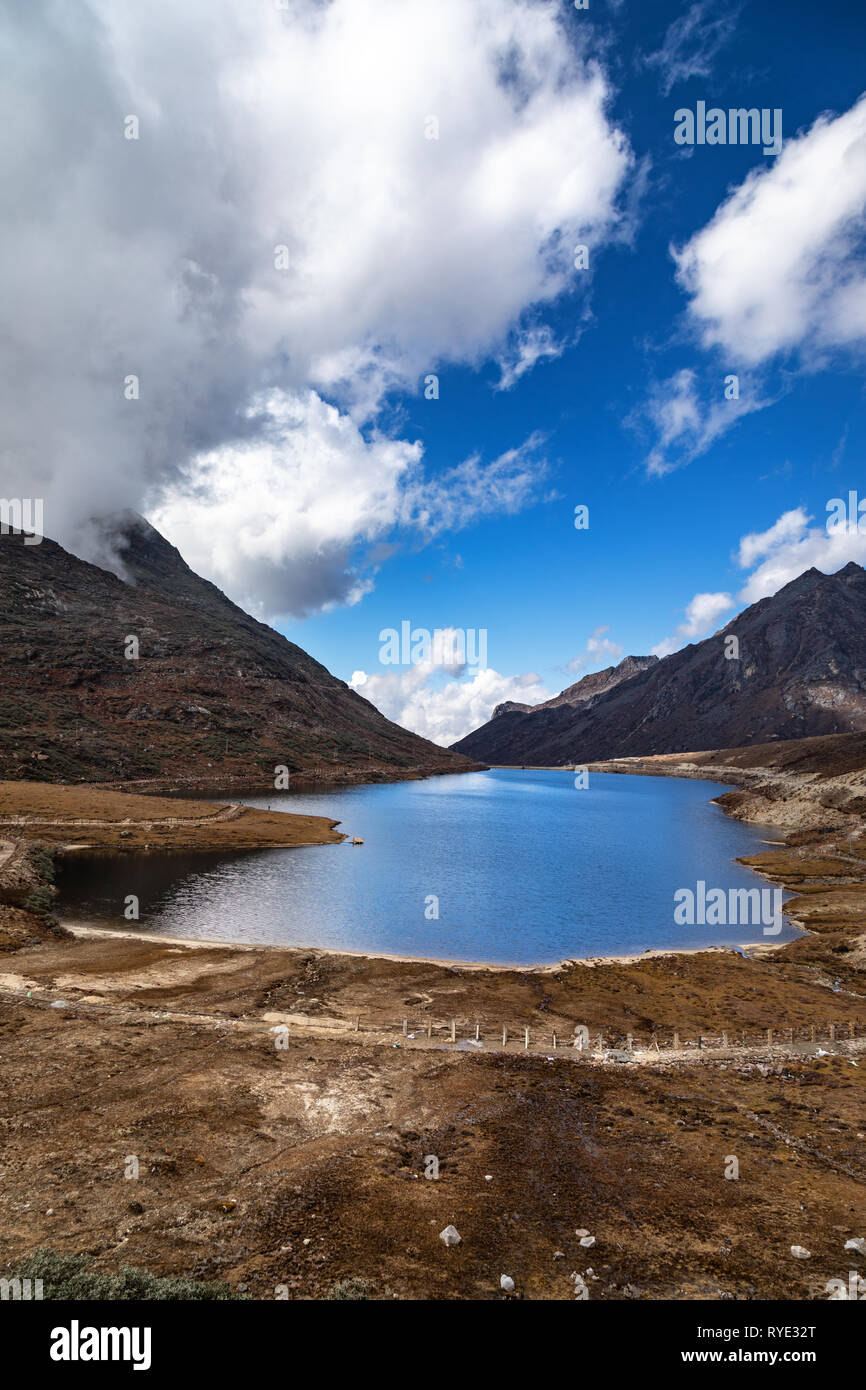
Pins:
x,y
522,867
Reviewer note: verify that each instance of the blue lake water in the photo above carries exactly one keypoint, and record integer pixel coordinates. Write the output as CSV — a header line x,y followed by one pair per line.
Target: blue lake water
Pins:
x,y
526,869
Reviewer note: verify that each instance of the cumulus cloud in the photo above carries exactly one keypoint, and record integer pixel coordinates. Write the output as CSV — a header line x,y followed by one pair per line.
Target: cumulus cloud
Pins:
x,y
440,709
599,651
692,43
701,615
281,240
293,520
779,268
776,278
793,545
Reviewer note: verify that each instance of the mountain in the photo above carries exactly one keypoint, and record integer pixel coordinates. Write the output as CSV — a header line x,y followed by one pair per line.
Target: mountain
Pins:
x,y
801,671
214,698
586,688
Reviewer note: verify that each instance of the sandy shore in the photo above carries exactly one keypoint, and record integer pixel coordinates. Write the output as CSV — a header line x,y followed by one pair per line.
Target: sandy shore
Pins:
x,y
96,929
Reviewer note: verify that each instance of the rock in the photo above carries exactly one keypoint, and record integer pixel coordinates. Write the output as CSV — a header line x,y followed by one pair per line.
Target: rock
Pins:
x,y
587,1242
858,1244
450,1235
799,1253
559,1254
506,1283
581,1232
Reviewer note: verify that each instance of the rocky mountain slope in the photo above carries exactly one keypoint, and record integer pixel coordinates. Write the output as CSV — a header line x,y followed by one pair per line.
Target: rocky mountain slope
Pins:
x,y
801,671
596,683
214,698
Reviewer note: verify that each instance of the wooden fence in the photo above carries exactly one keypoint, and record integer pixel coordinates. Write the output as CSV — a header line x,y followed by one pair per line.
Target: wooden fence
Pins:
x,y
506,1037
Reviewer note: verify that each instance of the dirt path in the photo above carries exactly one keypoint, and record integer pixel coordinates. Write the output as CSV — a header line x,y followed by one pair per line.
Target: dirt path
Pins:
x,y
225,813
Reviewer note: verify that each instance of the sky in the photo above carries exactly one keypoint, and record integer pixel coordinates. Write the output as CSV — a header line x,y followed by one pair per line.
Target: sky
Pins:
x,y
359,300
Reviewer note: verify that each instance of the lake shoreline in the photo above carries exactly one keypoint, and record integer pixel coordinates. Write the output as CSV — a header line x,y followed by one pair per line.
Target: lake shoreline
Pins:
x,y
81,928
178,1042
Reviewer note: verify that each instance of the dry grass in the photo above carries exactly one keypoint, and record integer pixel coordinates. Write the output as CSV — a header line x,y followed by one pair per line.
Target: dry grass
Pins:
x,y
127,821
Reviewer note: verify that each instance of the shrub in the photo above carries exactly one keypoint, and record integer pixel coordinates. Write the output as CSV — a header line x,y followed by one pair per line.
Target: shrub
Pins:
x,y
68,1277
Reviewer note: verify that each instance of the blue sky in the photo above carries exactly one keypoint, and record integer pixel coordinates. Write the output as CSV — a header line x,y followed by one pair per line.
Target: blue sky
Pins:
x,y
539,587
281,254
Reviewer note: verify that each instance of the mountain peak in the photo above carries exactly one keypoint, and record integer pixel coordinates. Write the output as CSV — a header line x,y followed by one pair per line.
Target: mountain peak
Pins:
x,y
212,696
799,670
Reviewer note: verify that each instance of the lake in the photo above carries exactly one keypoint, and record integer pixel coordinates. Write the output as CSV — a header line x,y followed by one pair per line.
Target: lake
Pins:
x,y
520,866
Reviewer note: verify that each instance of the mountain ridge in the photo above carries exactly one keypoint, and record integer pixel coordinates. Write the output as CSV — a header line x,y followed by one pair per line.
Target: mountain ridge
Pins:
x,y
215,697
801,672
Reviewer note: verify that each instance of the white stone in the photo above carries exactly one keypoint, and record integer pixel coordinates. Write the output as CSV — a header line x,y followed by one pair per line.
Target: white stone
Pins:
x,y
799,1253
506,1283
450,1235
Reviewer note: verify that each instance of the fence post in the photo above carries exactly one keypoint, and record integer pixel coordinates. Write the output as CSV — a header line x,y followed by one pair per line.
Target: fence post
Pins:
x,y
526,1037
769,1037
628,1043
851,1029
724,1040
504,1035
554,1042
832,1032
429,1030
357,1023
477,1032
676,1041
405,1025
453,1030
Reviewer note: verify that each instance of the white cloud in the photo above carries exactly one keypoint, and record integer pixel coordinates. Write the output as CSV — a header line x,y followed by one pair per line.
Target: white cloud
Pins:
x,y
445,710
790,547
778,271
530,345
701,615
262,128
599,651
459,495
288,521
775,556
692,43
688,422
779,267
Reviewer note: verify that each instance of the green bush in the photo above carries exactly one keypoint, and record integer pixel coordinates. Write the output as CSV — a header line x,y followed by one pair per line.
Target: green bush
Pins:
x,y
350,1289
68,1277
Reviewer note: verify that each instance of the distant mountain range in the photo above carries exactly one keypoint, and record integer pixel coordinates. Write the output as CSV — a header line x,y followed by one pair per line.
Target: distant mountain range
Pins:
x,y
800,671
214,697
588,686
